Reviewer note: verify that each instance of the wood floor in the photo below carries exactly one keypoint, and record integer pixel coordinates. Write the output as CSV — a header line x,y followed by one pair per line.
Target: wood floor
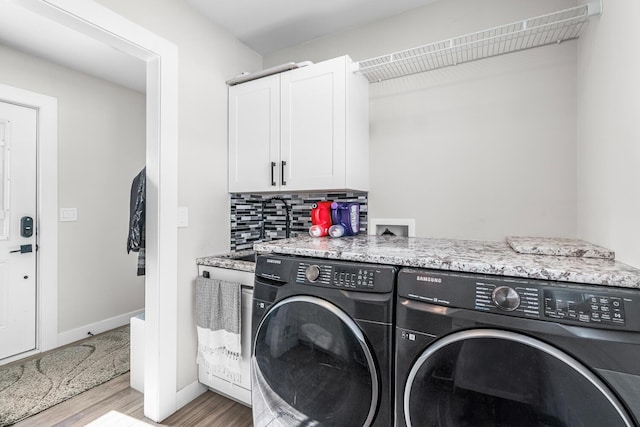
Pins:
x,y
210,409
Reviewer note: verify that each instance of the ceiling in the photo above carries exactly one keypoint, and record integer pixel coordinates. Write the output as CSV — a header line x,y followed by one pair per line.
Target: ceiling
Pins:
x,y
270,25
264,25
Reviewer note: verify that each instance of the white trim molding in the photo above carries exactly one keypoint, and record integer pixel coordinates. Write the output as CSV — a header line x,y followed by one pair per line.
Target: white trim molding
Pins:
x,y
190,392
161,56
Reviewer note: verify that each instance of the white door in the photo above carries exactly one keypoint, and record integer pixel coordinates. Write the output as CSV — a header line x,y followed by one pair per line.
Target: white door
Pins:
x,y
314,126
17,203
254,135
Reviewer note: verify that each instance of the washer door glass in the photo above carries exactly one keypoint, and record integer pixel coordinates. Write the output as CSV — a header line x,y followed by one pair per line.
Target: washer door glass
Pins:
x,y
312,365
491,377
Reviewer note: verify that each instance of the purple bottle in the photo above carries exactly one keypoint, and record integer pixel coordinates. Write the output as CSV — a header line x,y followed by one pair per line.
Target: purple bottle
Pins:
x,y
346,214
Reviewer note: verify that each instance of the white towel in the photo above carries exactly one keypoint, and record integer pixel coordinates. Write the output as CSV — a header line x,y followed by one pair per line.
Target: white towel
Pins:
x,y
218,314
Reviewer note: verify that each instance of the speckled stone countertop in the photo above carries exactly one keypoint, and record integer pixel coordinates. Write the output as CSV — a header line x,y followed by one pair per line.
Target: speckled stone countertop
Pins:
x,y
558,246
229,260
485,257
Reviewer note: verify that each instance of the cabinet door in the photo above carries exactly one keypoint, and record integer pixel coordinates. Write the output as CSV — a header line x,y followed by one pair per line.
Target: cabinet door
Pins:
x,y
254,135
313,126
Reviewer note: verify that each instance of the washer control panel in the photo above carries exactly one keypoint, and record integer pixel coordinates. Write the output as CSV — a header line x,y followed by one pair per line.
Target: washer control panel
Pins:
x,y
343,275
277,270
570,303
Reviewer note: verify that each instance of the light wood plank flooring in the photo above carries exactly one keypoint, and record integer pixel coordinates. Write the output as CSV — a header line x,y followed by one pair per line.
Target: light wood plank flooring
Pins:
x,y
210,409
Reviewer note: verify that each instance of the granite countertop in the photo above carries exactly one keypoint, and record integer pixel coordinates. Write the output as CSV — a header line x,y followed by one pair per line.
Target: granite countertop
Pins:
x,y
485,257
229,260
559,247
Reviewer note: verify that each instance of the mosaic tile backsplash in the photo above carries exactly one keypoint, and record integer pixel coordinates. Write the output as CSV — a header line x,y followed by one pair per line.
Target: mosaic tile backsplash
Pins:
x,y
247,213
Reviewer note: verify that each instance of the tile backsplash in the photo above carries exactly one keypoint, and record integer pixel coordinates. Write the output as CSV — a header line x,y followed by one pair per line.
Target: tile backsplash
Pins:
x,y
246,215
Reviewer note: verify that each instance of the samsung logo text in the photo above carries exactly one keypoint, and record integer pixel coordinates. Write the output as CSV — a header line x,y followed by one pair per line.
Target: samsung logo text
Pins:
x,y
429,279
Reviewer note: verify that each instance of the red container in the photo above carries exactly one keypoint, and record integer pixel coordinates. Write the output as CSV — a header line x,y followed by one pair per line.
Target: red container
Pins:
x,y
321,216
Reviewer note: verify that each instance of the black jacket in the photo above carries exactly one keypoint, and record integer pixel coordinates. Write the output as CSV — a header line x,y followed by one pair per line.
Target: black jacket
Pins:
x,y
135,240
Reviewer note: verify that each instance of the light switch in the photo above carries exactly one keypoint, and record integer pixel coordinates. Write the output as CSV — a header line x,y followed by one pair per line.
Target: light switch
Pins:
x,y
68,214
183,216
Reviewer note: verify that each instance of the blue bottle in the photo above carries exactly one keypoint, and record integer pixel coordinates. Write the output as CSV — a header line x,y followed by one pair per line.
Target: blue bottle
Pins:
x,y
346,214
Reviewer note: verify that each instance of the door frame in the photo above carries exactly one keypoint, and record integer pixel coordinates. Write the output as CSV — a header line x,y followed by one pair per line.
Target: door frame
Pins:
x,y
46,212
161,57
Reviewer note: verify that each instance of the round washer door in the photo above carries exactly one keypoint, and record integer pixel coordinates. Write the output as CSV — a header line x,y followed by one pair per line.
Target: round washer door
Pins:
x,y
311,365
487,377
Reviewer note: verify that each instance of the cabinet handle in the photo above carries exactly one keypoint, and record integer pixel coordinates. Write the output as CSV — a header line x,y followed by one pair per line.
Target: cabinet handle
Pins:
x,y
282,170
273,181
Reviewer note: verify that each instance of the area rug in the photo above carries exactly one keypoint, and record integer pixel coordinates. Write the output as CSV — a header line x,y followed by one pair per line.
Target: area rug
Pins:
x,y
40,382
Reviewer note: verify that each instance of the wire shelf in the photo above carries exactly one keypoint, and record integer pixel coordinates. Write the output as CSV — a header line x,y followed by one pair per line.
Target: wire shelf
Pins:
x,y
534,32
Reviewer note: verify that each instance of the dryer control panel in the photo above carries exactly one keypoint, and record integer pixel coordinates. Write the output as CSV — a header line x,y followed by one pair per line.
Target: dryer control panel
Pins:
x,y
571,303
586,307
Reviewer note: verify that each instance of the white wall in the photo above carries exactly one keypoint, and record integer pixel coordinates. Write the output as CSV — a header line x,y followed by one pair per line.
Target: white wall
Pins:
x,y
101,146
477,151
609,130
207,57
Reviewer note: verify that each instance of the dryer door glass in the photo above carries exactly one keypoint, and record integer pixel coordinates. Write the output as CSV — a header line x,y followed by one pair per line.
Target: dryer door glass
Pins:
x,y
312,365
491,377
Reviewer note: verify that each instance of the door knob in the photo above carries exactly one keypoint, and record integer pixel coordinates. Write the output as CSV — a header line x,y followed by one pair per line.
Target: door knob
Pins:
x,y
24,249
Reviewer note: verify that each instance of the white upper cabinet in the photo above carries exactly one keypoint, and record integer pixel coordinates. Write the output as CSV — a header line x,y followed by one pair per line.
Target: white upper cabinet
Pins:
x,y
302,130
254,135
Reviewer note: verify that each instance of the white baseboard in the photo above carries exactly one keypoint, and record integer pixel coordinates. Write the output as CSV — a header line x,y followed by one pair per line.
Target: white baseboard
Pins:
x,y
74,335
189,393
